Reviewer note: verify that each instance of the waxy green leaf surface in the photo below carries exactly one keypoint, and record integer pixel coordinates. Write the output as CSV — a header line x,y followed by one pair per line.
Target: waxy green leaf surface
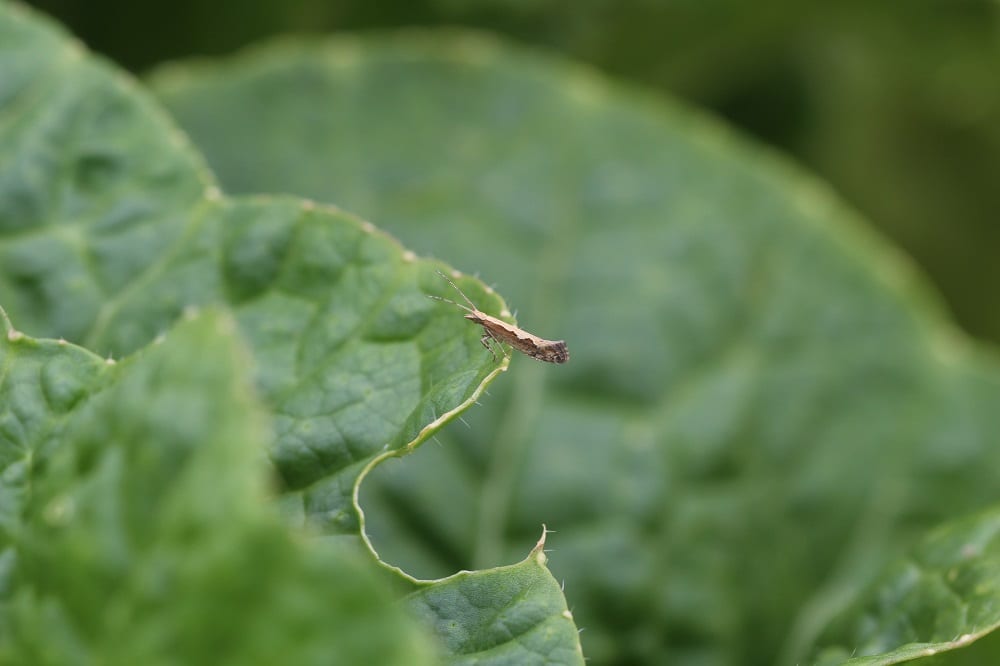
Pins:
x,y
111,229
941,598
105,240
764,403
147,537
525,623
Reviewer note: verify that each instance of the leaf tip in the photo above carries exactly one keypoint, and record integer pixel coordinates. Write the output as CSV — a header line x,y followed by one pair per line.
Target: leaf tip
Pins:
x,y
538,552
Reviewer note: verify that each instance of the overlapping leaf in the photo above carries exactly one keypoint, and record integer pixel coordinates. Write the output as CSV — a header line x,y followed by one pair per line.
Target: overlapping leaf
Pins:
x,y
110,229
764,404
147,538
41,383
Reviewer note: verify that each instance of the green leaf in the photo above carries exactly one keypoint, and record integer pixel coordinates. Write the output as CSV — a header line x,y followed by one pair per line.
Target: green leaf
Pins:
x,y
939,598
41,383
110,229
349,352
148,538
94,184
508,615
764,403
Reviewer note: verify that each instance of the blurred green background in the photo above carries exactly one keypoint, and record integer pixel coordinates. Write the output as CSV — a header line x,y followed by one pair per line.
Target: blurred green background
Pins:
x,y
896,104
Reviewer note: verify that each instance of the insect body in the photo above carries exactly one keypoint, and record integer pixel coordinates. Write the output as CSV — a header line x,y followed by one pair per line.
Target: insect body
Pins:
x,y
499,331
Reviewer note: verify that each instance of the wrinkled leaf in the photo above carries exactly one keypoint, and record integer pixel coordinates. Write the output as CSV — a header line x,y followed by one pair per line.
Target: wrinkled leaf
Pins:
x,y
349,352
95,187
763,405
941,597
147,538
41,383
508,615
111,228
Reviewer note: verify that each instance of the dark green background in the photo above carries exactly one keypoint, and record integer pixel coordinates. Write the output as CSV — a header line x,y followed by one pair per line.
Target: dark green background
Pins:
x,y
895,103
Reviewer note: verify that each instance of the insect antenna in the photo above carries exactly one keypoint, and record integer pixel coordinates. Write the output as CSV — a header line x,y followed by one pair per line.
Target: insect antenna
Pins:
x,y
439,298
471,304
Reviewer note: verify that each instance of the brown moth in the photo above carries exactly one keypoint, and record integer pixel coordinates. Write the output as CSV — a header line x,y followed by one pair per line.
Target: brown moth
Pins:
x,y
500,332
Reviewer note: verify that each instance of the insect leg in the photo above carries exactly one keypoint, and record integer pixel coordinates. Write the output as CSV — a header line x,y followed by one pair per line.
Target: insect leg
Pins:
x,y
485,341
496,340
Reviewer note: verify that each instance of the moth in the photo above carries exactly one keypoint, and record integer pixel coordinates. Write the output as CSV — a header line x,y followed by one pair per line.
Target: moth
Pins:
x,y
500,332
